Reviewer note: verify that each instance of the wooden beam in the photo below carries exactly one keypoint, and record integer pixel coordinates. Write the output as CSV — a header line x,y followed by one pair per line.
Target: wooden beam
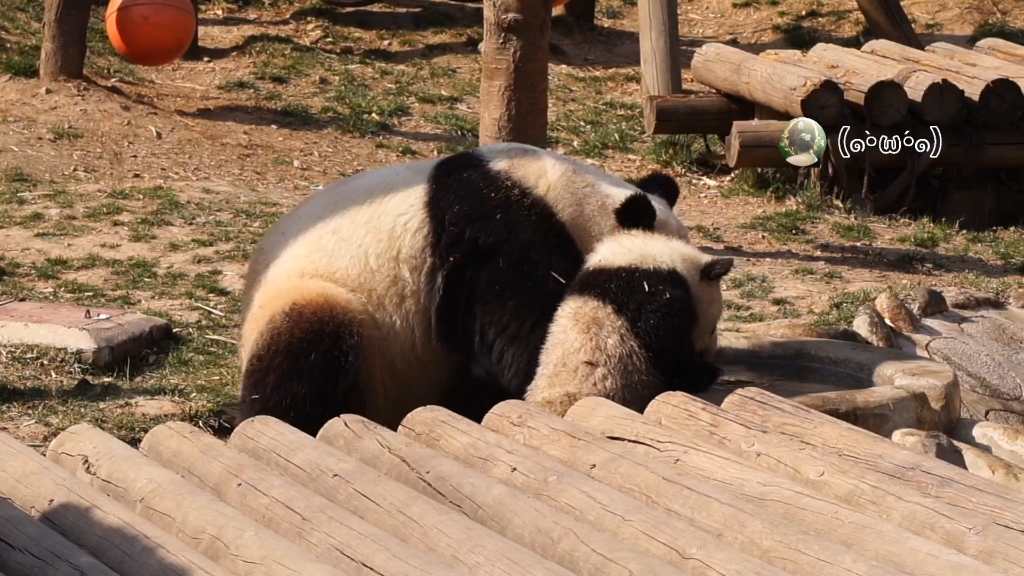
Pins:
x,y
887,19
1000,99
514,72
1002,49
933,98
782,87
659,47
694,113
882,100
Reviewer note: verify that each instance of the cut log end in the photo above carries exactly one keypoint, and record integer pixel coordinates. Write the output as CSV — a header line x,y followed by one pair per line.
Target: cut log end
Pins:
x,y
941,103
825,104
1003,99
886,103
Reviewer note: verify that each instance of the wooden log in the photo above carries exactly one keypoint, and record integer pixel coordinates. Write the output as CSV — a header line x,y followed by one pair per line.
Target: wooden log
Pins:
x,y
755,144
1000,99
970,58
659,47
29,548
887,19
195,516
695,113
882,100
929,476
65,27
323,528
938,445
778,86
718,512
876,495
1002,49
507,511
89,519
514,72
656,531
385,503
933,98
788,500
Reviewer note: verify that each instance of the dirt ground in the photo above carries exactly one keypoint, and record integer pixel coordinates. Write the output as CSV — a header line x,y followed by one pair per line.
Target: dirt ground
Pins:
x,y
147,187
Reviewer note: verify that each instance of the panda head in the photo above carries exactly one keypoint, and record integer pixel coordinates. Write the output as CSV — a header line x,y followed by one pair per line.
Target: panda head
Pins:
x,y
640,246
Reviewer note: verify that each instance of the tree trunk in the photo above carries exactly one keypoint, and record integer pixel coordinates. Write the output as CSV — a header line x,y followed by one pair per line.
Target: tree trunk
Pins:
x,y
65,25
1002,49
193,50
514,73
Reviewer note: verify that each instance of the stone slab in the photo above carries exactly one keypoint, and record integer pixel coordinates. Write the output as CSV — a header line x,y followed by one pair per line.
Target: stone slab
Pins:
x,y
878,389
104,336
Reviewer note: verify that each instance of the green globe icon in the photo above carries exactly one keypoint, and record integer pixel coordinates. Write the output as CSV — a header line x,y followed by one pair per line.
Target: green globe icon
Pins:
x,y
803,142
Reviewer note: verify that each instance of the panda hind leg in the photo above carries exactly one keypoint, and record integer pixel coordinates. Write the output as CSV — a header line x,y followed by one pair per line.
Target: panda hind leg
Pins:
x,y
303,368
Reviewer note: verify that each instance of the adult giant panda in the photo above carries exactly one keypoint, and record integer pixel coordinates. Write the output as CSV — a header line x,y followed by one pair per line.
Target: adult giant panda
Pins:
x,y
380,292
641,318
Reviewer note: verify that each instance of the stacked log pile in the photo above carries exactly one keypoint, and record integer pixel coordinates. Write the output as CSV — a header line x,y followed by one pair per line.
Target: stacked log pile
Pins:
x,y
973,98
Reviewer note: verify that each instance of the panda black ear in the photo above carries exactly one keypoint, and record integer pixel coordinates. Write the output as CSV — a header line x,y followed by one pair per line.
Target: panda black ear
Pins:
x,y
661,185
715,269
636,213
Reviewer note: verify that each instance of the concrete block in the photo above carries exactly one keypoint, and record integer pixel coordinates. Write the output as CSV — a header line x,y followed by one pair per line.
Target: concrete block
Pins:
x,y
104,336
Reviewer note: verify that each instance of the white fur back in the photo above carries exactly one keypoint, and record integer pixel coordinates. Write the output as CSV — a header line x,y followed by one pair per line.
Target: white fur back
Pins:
x,y
584,197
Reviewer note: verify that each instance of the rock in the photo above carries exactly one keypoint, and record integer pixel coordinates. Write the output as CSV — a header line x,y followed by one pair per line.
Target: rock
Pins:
x,y
1015,298
934,444
928,301
896,312
872,327
1006,442
156,407
963,455
966,299
801,329
105,337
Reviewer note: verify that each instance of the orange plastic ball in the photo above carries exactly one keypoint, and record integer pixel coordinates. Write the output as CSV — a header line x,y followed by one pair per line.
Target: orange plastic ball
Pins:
x,y
150,32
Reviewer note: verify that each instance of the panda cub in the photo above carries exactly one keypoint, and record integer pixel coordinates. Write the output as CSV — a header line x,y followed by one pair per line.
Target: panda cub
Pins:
x,y
640,319
405,285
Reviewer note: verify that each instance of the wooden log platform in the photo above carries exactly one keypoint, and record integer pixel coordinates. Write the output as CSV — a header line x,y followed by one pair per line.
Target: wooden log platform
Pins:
x,y
1000,98
882,100
775,85
761,486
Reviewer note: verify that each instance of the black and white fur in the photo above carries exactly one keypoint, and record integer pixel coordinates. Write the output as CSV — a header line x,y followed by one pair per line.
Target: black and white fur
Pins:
x,y
640,319
377,293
